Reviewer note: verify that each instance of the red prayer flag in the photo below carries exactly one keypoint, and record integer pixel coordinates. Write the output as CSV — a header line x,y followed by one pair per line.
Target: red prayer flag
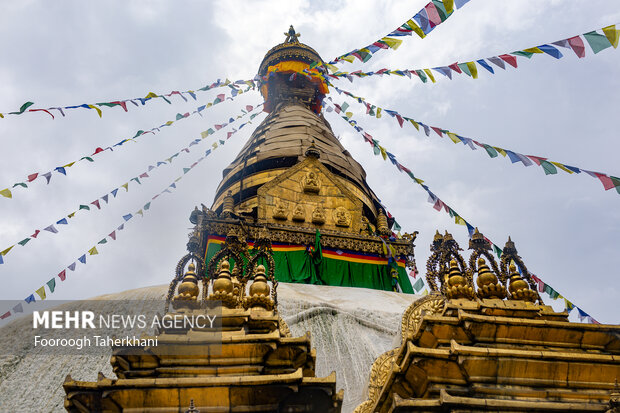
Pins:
x,y
437,131
113,235
605,180
5,315
536,159
32,177
433,15
62,275
35,234
96,203
97,151
400,120
577,45
511,60
455,67
437,205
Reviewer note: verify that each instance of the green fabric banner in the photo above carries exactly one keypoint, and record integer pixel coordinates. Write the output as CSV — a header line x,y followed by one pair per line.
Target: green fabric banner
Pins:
x,y
303,267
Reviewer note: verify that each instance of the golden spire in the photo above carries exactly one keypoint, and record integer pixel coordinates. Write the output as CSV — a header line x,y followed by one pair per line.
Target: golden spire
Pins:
x,y
519,288
291,36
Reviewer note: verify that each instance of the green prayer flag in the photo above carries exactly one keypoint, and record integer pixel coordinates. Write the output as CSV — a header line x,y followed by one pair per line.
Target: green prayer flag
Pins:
x,y
24,241
186,170
464,68
497,251
88,158
492,152
23,108
548,167
597,41
86,207
422,75
523,53
418,285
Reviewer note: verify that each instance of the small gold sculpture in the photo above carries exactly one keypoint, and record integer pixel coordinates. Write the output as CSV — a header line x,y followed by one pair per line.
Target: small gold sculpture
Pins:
x,y
228,204
280,211
299,214
223,288
259,293
456,284
311,182
291,36
519,289
342,217
488,283
188,289
382,224
318,215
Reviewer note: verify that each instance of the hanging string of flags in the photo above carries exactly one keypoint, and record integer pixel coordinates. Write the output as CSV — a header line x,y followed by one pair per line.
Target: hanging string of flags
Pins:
x,y
41,292
235,86
7,192
65,220
424,21
597,42
548,166
438,205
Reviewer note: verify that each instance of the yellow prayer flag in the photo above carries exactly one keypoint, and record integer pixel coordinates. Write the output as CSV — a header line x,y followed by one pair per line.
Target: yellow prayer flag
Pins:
x,y
6,193
178,179
425,292
612,35
378,113
41,292
169,123
383,153
93,251
449,5
533,50
126,186
97,109
331,68
430,75
414,123
140,212
349,115
69,165
562,167
416,28
453,137
500,150
214,145
209,105
348,58
458,220
419,181
204,134
71,215
472,69
6,251
392,43
1,116
151,95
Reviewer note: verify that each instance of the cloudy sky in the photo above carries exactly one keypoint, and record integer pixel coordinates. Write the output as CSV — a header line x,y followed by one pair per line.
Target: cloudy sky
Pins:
x,y
566,227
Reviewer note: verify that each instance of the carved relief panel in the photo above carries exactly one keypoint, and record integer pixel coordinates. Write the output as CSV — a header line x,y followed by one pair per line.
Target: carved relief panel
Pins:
x,y
309,195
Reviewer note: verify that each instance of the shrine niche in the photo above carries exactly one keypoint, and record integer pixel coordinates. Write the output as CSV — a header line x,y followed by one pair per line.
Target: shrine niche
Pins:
x,y
314,196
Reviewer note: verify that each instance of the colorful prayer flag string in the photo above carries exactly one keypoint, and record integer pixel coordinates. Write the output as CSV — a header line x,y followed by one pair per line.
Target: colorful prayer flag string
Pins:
x,y
438,204
53,228
235,86
596,41
7,193
548,166
422,23
51,284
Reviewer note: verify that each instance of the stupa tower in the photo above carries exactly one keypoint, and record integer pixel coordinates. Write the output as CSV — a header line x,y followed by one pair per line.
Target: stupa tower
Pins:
x,y
294,178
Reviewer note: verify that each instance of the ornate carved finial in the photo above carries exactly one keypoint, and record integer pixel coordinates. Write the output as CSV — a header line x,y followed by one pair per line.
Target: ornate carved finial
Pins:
x,y
188,290
614,399
519,290
522,285
259,294
223,288
448,266
457,284
192,408
313,151
382,224
488,283
228,204
291,36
